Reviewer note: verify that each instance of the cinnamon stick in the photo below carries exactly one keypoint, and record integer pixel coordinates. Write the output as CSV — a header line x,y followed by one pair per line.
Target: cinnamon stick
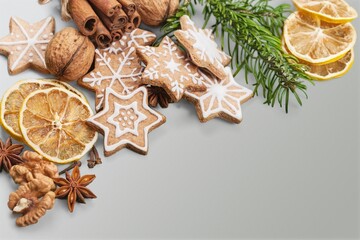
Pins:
x,y
116,34
129,27
108,7
102,36
105,19
135,19
128,6
84,16
120,19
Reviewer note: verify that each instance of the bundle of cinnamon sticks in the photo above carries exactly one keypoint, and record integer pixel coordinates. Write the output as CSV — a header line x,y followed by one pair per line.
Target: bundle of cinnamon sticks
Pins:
x,y
104,21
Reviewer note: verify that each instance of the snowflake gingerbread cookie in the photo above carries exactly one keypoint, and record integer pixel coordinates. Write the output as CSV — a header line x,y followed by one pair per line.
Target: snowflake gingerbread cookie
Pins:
x,y
118,66
223,98
169,67
202,48
126,121
25,46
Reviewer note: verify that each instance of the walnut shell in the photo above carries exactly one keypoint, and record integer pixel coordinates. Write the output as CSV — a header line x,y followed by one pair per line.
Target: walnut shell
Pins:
x,y
69,54
155,12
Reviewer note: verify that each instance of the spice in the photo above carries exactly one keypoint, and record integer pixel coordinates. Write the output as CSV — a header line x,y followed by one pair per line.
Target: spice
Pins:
x,y
103,37
74,164
108,7
73,187
94,158
83,16
128,6
158,96
10,154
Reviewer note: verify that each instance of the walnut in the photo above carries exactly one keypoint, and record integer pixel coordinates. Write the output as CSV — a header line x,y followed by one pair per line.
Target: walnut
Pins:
x,y
32,156
155,12
32,200
35,194
69,54
33,166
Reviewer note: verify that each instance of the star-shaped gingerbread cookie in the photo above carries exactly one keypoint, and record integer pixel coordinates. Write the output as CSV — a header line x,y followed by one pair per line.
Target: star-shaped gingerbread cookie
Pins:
x,y
223,98
118,66
169,67
126,121
202,48
25,46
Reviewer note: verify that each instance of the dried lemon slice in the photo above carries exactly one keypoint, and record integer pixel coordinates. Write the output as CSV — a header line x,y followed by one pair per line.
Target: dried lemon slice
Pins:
x,y
70,88
316,41
328,71
13,100
53,122
333,11
15,96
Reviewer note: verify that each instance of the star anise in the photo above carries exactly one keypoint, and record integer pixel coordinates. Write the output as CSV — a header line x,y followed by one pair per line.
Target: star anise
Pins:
x,y
74,188
158,95
10,154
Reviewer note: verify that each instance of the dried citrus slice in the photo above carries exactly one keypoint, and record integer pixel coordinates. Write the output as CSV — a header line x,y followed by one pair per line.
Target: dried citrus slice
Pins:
x,y
14,97
53,122
328,71
316,41
333,11
70,88
13,100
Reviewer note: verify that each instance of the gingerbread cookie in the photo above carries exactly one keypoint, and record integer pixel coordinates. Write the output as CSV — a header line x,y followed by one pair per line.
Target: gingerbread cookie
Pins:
x,y
202,48
118,66
223,98
168,67
136,38
26,44
125,121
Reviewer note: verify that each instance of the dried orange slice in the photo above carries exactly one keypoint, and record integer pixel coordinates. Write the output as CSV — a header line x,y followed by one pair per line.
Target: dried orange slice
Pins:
x,y
53,122
316,41
328,71
333,11
15,96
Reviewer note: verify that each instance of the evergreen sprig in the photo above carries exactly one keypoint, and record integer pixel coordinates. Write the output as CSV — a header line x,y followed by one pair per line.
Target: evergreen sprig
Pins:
x,y
173,23
250,31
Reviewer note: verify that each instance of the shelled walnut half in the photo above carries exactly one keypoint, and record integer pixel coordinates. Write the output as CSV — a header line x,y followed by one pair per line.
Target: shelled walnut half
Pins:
x,y
35,194
32,200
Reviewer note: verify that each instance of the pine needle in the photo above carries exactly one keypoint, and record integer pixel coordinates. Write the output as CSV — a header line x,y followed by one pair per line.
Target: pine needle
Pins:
x,y
251,30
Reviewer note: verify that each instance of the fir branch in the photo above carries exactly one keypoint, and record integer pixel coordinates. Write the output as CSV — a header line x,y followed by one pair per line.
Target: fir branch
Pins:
x,y
173,23
251,30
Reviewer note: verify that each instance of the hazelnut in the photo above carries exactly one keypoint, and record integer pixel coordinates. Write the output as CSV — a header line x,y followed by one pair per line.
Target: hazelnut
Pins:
x,y
69,54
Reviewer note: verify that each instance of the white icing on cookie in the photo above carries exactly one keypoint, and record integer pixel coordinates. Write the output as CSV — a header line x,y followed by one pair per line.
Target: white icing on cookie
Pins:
x,y
206,47
136,38
126,119
225,96
114,119
167,63
29,42
125,60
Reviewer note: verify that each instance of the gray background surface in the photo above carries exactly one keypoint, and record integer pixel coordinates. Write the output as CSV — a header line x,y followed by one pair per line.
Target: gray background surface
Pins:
x,y
276,175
